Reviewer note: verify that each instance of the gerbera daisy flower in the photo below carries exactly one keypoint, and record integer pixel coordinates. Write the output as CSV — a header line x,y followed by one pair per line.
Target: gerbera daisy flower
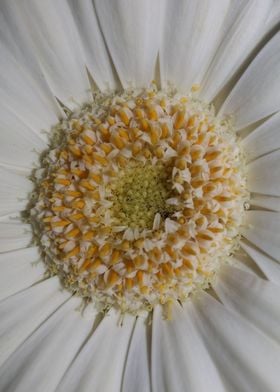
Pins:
x,y
140,195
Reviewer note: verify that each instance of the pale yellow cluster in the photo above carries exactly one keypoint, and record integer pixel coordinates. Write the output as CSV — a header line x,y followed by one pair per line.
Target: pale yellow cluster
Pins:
x,y
140,193
140,200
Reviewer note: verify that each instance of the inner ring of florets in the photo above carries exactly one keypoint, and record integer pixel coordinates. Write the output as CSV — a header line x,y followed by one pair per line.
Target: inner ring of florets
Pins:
x,y
140,200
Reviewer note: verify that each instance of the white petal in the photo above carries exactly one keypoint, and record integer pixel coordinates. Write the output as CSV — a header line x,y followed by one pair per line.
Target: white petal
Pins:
x,y
274,16
23,97
192,32
13,192
19,269
137,369
57,47
255,299
19,145
264,231
100,364
269,267
96,55
132,33
22,313
264,139
245,263
264,174
180,358
14,235
266,202
40,362
24,67
247,359
256,94
236,7
240,39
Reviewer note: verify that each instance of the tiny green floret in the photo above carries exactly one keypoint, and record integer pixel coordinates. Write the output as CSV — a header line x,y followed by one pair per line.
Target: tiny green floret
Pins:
x,y
140,193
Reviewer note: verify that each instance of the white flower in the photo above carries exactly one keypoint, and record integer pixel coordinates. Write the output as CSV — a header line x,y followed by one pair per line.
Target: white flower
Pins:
x,y
52,52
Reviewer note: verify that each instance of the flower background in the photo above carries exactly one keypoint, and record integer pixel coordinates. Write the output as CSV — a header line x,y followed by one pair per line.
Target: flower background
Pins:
x,y
56,51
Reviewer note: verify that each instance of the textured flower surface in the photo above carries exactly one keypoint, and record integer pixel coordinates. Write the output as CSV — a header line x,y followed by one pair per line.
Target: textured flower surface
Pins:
x,y
139,214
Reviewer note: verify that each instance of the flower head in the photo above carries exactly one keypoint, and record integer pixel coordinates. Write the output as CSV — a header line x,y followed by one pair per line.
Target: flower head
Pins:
x,y
140,200
139,174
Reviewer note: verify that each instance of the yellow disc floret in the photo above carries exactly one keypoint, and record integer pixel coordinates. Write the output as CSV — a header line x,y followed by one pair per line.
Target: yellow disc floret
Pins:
x,y
140,199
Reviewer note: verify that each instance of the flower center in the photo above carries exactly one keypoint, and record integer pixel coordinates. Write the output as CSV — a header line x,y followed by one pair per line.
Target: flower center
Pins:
x,y
140,199
140,193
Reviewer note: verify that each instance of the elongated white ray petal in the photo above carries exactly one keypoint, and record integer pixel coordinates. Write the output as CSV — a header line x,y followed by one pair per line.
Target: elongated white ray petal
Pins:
x,y
14,235
22,313
192,32
246,358
137,369
132,33
96,54
244,262
100,364
240,39
180,359
13,192
19,269
58,49
264,231
264,174
236,7
11,218
274,15
19,145
268,202
264,139
14,37
21,95
270,267
253,298
40,362
256,94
